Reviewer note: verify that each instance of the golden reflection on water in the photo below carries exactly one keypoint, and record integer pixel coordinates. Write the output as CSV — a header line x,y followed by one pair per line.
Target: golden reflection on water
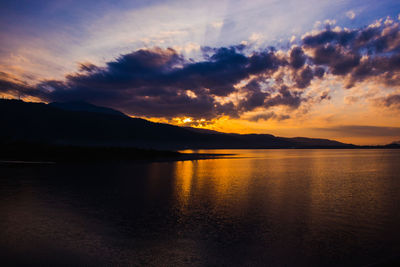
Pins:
x,y
314,186
217,182
184,172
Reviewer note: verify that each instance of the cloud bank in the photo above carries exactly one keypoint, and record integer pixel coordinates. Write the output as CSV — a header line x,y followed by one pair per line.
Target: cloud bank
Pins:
x,y
231,81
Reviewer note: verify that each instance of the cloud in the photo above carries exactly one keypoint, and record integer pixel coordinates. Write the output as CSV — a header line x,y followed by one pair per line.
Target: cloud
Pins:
x,y
268,116
162,83
254,97
11,85
391,101
350,14
297,57
285,97
88,67
330,22
303,78
371,53
324,95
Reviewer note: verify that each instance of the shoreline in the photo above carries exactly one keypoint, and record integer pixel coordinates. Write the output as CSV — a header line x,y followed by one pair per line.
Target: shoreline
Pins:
x,y
28,153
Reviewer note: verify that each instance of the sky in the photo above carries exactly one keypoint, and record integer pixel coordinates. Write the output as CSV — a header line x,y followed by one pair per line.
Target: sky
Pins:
x,y
328,69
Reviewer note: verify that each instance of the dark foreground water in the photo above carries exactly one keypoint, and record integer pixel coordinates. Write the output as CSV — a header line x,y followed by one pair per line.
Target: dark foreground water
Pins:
x,y
261,207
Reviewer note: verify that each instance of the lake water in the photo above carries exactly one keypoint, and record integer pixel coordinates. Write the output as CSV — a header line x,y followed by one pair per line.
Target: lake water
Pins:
x,y
256,208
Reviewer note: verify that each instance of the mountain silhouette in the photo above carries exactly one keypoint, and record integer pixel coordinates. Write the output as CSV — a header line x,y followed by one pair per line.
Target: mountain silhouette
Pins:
x,y
84,106
83,124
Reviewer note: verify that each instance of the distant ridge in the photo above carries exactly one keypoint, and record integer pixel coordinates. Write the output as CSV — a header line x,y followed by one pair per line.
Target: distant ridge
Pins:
x,y
84,106
83,124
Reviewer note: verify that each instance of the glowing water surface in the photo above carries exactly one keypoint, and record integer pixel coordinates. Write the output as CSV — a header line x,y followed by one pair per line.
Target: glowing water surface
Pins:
x,y
256,207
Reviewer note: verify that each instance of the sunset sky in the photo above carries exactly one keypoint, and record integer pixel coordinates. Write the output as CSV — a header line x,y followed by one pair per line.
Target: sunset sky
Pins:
x,y
312,68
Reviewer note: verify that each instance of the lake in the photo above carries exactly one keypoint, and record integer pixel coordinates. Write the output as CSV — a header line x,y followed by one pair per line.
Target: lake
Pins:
x,y
255,208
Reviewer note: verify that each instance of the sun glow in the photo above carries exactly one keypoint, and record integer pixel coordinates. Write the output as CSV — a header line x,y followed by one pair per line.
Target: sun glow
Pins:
x,y
186,120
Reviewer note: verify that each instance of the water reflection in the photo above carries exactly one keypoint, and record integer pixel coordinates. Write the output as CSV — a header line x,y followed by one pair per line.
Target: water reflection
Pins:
x,y
260,207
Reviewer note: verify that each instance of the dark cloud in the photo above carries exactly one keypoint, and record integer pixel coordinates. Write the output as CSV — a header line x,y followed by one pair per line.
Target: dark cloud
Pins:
x,y
303,78
339,61
265,61
391,101
361,54
161,83
219,74
383,69
156,83
285,98
13,86
319,72
269,116
87,66
297,57
342,38
254,96
324,95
